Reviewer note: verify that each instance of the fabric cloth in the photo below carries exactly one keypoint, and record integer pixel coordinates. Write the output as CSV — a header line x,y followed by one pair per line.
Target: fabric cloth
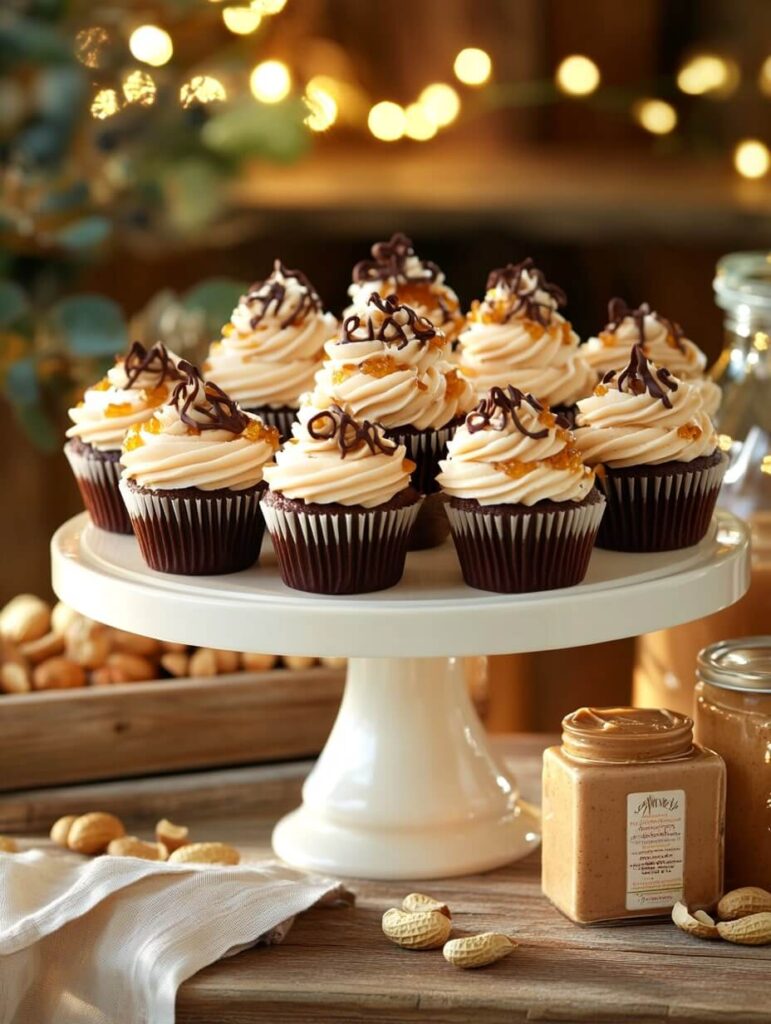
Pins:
x,y
111,939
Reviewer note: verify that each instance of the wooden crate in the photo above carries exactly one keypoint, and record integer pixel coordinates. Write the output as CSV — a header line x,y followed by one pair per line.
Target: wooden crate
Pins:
x,y
66,736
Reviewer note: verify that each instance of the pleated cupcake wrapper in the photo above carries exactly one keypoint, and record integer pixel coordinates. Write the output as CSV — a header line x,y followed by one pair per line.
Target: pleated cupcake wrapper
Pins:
x,y
425,449
525,551
659,513
196,536
340,553
98,479
281,419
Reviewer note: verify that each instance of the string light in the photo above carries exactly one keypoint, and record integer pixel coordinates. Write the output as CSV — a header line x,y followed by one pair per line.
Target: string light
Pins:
x,y
270,81
387,121
139,87
269,6
440,103
151,45
752,158
577,75
764,78
322,107
418,125
473,66
202,89
89,43
241,20
655,116
708,73
105,104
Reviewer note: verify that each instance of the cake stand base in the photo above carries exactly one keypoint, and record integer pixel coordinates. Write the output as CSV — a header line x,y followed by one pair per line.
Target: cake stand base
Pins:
x,y
406,786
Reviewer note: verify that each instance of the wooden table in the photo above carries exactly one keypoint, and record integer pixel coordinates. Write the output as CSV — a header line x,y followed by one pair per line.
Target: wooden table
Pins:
x,y
336,965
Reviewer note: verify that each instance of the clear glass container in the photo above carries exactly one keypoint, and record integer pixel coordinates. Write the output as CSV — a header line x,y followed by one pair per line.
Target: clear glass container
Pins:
x,y
733,717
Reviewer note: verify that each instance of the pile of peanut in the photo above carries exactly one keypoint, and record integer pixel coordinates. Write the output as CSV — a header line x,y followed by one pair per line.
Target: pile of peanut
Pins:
x,y
744,918
55,648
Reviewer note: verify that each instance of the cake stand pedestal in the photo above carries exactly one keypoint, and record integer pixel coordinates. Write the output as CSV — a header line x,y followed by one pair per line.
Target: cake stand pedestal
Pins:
x,y
406,786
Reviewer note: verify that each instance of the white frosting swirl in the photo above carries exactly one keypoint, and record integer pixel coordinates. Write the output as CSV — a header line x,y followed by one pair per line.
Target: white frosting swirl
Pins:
x,y
315,470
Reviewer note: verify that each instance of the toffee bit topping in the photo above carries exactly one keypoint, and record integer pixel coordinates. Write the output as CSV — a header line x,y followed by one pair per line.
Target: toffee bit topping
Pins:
x,y
618,311
350,434
157,360
512,278
389,327
268,296
500,405
389,261
217,411
640,377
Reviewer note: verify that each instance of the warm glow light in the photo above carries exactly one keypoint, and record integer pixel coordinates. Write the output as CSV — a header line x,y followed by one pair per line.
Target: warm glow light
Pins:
x,y
472,66
241,20
105,104
139,87
151,45
708,73
760,341
418,125
655,116
577,75
270,81
89,43
269,6
387,121
202,89
752,158
440,103
724,442
764,78
322,107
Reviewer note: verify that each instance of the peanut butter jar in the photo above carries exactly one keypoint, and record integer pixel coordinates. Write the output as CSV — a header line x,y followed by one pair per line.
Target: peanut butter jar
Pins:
x,y
733,717
633,814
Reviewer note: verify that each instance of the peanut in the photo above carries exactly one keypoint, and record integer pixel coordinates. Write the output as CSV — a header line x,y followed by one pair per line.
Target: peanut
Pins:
x,y
58,674
130,846
478,950
227,661
426,929
698,924
254,662
106,676
131,668
169,645
133,643
417,901
298,662
334,662
60,830
205,853
172,836
93,833
48,646
25,618
62,617
754,930
176,663
750,899
203,663
8,845
87,643
15,676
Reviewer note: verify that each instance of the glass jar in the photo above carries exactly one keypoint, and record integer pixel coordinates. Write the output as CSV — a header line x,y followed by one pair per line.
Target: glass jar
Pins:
x,y
733,717
632,816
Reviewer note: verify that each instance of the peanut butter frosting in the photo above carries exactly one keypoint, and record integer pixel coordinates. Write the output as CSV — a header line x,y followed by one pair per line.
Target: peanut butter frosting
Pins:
x,y
516,336
392,367
133,389
201,438
512,450
334,459
663,341
643,416
395,270
273,345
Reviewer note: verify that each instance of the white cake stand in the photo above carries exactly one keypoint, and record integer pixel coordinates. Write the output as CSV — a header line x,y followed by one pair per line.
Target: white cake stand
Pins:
x,y
406,786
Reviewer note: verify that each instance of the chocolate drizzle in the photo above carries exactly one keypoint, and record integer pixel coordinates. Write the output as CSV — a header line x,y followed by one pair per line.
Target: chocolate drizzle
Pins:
x,y
155,360
389,261
389,329
501,404
350,434
269,296
218,410
618,311
638,378
511,277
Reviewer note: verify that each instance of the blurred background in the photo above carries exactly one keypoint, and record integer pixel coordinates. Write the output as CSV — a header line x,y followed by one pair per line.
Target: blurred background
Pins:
x,y
156,156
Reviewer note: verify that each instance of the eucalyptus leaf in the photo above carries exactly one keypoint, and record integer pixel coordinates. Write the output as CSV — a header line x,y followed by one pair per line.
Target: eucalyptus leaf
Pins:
x,y
37,426
215,299
252,129
87,233
13,303
21,382
91,325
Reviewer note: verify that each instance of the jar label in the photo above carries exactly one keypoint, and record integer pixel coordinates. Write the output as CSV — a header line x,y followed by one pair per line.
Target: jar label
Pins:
x,y
655,842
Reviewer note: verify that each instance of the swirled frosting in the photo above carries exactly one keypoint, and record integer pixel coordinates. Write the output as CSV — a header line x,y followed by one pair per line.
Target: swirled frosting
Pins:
x,y
273,344
334,459
392,367
133,389
643,416
516,336
511,450
201,438
395,270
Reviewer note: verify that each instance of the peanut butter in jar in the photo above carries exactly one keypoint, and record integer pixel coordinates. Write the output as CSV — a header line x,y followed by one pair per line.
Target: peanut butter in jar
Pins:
x,y
633,814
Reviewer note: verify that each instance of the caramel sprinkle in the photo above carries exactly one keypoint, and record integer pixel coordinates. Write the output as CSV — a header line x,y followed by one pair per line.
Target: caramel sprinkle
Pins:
x,y
689,432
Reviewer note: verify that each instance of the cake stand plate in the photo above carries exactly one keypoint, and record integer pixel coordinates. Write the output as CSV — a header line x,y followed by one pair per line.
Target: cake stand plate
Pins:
x,y
406,786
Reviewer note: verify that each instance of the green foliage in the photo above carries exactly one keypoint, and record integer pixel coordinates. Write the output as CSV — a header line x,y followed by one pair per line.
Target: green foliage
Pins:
x,y
13,303
215,300
90,325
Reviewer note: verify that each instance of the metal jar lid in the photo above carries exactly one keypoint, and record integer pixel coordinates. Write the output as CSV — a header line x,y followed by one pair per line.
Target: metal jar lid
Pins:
x,y
742,664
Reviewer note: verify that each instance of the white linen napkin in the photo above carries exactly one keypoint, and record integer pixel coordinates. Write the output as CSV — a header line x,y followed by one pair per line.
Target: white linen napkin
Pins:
x,y
111,939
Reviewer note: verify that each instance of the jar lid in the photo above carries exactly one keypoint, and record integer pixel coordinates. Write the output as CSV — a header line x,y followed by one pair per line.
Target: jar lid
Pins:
x,y
744,279
742,664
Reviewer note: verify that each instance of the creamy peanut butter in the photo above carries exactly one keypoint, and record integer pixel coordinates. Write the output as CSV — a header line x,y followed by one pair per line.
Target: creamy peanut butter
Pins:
x,y
632,816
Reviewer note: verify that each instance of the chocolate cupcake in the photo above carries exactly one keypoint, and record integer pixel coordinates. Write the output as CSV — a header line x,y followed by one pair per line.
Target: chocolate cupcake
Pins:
x,y
523,509
133,389
340,506
272,347
516,336
663,342
656,455
192,481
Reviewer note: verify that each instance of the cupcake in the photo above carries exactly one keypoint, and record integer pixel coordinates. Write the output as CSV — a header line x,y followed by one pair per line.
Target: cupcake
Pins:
x,y
523,508
516,336
272,347
133,389
662,340
340,505
395,270
655,451
192,480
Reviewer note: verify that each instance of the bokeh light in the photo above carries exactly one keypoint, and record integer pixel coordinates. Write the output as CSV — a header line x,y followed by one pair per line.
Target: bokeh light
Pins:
x,y
655,116
269,6
105,104
752,158
577,75
708,73
418,125
387,121
152,45
139,87
764,78
270,81
440,103
89,45
473,66
241,20
322,107
202,89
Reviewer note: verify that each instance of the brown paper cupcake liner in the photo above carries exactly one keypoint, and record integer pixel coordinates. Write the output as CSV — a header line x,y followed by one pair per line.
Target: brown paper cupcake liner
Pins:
x,y
98,476
518,549
345,551
281,418
194,532
659,508
425,448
